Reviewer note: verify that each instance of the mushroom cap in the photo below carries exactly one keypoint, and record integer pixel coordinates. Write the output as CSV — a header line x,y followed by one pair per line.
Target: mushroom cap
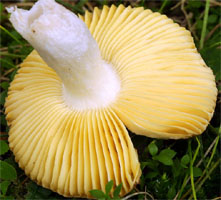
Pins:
x,y
167,91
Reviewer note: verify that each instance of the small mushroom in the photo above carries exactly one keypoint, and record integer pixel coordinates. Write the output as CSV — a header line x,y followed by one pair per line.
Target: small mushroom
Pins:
x,y
88,79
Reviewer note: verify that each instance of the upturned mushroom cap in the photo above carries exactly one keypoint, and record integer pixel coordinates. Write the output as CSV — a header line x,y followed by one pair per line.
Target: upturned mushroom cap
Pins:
x,y
160,87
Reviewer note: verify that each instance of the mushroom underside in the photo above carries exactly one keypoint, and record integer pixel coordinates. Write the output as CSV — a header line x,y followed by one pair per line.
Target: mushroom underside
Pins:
x,y
167,91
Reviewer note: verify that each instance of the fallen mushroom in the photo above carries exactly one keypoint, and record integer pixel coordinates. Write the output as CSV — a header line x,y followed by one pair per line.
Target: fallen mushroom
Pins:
x,y
73,97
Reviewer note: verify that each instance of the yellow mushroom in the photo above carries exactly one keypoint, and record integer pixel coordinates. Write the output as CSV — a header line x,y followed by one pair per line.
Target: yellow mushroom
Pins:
x,y
73,97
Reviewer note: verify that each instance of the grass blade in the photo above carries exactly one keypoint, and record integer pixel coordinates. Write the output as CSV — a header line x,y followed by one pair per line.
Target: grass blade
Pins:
x,y
191,170
12,36
205,19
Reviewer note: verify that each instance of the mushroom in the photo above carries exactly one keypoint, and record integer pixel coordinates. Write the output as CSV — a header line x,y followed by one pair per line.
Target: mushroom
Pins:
x,y
88,79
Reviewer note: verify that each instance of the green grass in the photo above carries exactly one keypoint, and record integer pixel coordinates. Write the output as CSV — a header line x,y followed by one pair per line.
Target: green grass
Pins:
x,y
182,169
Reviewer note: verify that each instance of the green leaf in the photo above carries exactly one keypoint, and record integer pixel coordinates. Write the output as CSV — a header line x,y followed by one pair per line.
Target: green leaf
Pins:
x,y
109,186
153,149
2,97
4,85
185,159
7,172
197,172
10,160
143,165
212,19
166,156
32,187
3,120
164,176
177,168
97,194
171,193
195,4
151,175
168,152
3,147
13,74
213,59
4,186
117,190
152,164
43,192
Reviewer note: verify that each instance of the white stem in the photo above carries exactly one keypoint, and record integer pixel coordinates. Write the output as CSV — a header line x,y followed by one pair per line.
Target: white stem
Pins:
x,y
66,45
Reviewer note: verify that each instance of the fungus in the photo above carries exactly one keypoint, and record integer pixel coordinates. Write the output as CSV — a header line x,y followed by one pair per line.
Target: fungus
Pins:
x,y
73,97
